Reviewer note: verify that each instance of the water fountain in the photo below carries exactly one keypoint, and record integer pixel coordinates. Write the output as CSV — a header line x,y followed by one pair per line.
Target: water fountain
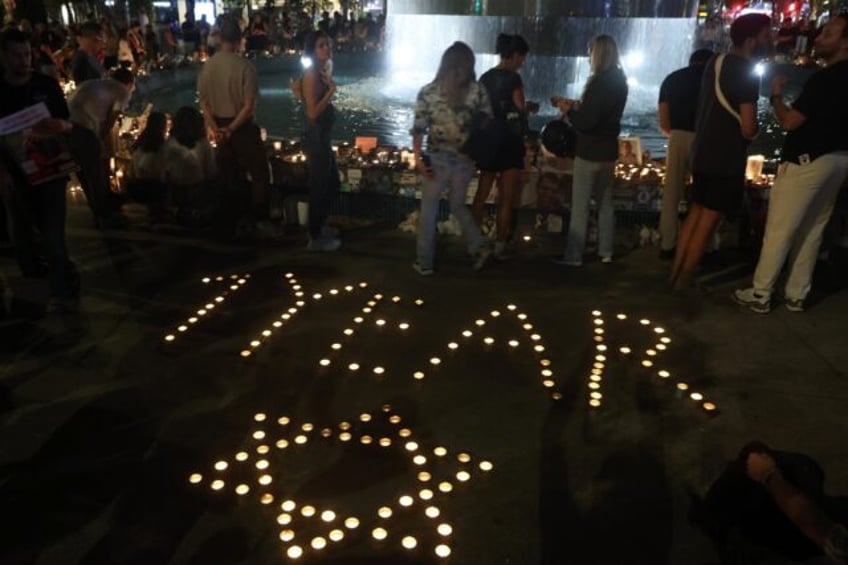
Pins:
x,y
558,64
377,100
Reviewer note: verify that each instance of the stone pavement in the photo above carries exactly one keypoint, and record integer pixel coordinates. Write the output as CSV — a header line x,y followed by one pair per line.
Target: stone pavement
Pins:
x,y
113,436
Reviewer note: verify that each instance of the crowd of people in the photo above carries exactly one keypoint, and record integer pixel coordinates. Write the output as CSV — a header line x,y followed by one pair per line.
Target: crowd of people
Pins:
x,y
214,156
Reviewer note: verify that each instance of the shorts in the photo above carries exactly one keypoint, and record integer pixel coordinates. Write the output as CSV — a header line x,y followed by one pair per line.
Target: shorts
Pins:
x,y
508,155
720,193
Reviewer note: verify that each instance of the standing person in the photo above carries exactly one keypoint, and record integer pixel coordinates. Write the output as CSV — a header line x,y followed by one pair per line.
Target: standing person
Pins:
x,y
85,65
126,54
815,166
95,107
725,124
41,206
678,105
110,45
597,121
318,90
444,111
228,91
506,93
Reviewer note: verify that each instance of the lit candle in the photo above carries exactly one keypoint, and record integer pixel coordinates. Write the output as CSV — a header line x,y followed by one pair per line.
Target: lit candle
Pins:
x,y
445,487
351,523
444,530
443,550
409,542
308,511
195,478
379,534
294,552
384,512
418,375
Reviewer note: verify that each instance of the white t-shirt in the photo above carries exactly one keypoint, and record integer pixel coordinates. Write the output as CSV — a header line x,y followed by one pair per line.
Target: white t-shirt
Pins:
x,y
187,167
95,100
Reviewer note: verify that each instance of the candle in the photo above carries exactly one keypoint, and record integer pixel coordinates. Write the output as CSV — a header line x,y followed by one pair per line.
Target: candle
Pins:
x,y
443,550
444,529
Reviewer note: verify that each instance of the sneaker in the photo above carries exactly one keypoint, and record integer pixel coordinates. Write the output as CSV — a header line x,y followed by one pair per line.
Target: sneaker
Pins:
x,y
481,257
759,303
423,271
794,304
329,231
566,262
63,305
606,259
324,244
501,251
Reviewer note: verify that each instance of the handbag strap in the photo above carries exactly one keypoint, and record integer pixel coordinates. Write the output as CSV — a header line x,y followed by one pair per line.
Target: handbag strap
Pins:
x,y
719,94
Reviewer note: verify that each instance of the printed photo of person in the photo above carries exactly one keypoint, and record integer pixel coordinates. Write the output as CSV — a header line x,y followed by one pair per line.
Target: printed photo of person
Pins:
x,y
630,151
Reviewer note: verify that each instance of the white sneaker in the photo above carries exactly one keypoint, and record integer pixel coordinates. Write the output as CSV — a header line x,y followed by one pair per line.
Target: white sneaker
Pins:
x,y
423,271
330,231
759,303
481,257
324,244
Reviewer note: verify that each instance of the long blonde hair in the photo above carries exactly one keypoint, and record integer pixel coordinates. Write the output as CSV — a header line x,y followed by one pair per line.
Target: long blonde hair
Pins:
x,y
456,73
603,56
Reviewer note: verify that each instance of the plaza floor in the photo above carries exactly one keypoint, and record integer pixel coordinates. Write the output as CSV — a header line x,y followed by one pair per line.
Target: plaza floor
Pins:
x,y
362,426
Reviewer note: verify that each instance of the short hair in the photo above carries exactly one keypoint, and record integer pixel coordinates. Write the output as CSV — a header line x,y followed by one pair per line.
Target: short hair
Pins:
x,y
13,35
124,76
701,56
747,27
229,29
90,29
508,45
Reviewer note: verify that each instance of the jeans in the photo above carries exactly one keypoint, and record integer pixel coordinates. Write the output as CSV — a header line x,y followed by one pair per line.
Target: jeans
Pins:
x,y
800,205
589,177
324,183
678,167
451,174
42,207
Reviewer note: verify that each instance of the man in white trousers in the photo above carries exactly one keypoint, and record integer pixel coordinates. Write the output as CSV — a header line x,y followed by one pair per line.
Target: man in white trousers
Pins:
x,y
814,168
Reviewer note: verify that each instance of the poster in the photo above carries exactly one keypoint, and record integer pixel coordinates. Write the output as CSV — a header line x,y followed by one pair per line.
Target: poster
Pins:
x,y
39,158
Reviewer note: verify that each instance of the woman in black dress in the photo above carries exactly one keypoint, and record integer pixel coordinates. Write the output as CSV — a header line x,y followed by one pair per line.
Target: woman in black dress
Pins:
x,y
506,93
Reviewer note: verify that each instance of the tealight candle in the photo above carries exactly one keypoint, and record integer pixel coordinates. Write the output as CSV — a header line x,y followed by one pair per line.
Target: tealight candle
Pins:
x,y
463,476
287,535
488,340
379,534
351,523
336,346
406,500
665,340
336,535
443,550
445,486
486,466
595,403
418,375
480,322
365,417
288,505
411,446
242,456
403,326
621,316
195,478
265,480
300,439
217,484
664,374
409,542
324,362
647,363
467,333
435,361
444,530
696,396
440,451
294,552
424,476
358,320
182,328
513,343
432,512
284,519
318,543
659,330
404,432
709,406
645,322
385,442
419,302
379,370
258,434
384,512
328,515
453,345
495,313
425,494
266,498
419,459
353,366
308,511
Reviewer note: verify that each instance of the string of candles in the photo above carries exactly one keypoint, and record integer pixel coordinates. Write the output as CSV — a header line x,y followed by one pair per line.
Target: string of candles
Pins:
x,y
651,357
307,528
236,282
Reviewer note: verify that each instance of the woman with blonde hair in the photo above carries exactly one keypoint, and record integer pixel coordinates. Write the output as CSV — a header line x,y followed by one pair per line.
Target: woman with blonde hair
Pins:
x,y
596,118
445,111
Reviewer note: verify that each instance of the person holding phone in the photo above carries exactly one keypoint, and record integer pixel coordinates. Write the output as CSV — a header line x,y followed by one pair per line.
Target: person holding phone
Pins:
x,y
506,92
597,121
444,111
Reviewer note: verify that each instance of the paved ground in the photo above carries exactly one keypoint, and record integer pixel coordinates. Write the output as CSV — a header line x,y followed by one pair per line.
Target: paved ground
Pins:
x,y
104,421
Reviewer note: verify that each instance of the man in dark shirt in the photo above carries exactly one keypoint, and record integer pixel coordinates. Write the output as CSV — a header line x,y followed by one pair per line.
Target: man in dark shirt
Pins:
x,y
41,206
85,65
814,168
725,123
677,107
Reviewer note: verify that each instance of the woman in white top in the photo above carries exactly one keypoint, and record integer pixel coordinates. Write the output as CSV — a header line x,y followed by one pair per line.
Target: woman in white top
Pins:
x,y
147,179
189,160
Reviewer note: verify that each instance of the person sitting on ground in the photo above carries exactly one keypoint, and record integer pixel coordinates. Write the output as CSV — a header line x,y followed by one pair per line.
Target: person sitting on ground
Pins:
x,y
147,181
189,163
828,535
